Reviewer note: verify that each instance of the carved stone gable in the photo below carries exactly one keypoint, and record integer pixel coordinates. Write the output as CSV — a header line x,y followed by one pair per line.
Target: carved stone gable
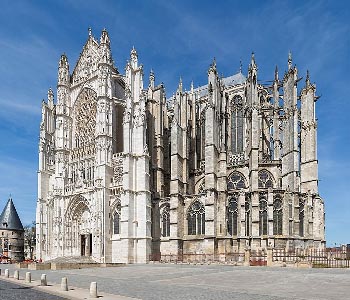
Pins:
x,y
86,66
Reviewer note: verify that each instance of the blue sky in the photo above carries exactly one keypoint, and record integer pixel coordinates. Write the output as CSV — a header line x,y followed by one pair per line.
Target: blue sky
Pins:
x,y
176,38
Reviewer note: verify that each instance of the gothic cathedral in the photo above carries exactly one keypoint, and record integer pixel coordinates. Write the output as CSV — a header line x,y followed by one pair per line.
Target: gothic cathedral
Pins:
x,y
126,173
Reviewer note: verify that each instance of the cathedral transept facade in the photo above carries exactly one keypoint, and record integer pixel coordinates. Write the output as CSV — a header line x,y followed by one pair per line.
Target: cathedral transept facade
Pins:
x,y
126,173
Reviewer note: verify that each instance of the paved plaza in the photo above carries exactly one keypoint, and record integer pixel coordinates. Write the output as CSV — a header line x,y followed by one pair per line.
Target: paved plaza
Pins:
x,y
11,291
165,281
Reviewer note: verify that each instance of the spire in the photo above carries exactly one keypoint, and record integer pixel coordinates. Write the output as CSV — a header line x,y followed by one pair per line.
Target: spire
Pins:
x,y
276,74
133,57
9,218
90,31
252,64
240,66
50,97
289,60
192,87
106,56
212,67
307,81
104,39
180,85
253,58
151,79
63,70
63,61
214,63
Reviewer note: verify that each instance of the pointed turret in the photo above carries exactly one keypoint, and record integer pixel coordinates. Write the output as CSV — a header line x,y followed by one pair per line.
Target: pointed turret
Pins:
x,y
9,218
212,67
50,98
252,65
133,57
276,74
63,70
179,88
289,60
307,81
104,39
151,79
106,56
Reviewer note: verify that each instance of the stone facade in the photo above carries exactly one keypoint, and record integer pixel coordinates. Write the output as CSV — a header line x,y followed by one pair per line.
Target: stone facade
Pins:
x,y
125,173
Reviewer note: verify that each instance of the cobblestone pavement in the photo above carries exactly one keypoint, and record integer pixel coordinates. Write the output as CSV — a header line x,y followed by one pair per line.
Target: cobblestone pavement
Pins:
x,y
11,291
164,281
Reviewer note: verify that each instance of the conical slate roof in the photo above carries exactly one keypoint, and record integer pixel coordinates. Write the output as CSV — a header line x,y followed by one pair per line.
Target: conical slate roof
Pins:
x,y
9,218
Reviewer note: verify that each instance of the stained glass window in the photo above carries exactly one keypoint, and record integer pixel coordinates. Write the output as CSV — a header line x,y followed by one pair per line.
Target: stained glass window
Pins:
x,y
265,180
237,124
116,221
232,216
166,221
277,216
301,217
196,218
247,216
263,216
235,181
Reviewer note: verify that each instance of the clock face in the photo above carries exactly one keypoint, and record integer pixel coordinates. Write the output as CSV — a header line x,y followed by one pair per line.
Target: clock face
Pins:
x,y
85,117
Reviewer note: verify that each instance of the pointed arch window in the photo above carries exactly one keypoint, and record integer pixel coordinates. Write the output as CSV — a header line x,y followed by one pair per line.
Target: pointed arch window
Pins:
x,y
235,181
116,220
196,218
237,124
277,216
232,216
263,216
301,216
166,221
247,216
265,180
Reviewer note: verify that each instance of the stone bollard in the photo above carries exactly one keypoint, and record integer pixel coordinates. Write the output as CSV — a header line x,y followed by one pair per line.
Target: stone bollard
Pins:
x,y
247,257
93,290
16,275
64,284
28,277
43,280
7,273
269,262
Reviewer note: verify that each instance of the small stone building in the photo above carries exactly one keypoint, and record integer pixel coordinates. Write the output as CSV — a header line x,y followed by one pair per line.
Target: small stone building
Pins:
x,y
11,233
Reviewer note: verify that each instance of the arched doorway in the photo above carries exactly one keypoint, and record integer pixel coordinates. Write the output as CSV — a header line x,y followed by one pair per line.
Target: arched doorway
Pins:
x,y
80,227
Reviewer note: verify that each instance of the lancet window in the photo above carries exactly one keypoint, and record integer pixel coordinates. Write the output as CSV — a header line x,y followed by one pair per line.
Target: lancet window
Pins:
x,y
301,217
196,218
277,215
116,220
166,221
235,181
247,216
232,216
263,216
237,124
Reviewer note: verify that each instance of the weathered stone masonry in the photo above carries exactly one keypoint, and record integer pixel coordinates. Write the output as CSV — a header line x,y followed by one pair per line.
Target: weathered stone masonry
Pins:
x,y
125,173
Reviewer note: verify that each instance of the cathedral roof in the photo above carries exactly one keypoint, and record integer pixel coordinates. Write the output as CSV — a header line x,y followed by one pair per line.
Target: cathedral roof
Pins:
x,y
235,79
9,218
